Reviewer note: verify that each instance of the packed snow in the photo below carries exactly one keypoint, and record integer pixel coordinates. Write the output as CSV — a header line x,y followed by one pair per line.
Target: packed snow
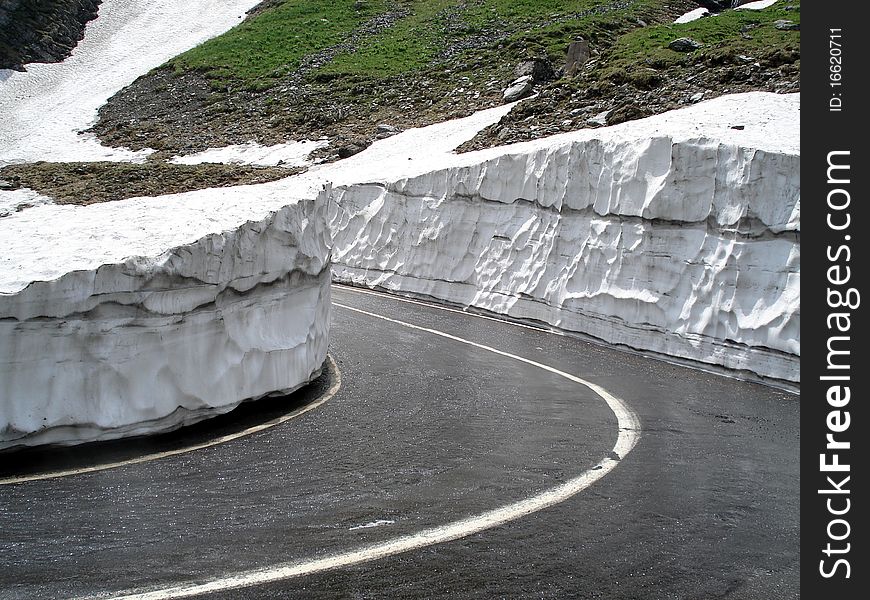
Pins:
x,y
168,337
46,109
14,200
290,154
676,235
694,15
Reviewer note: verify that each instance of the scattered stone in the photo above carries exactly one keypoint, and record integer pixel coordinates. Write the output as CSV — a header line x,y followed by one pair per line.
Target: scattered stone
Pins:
x,y
696,97
626,112
685,45
578,54
518,89
599,120
786,25
538,68
352,148
738,127
386,129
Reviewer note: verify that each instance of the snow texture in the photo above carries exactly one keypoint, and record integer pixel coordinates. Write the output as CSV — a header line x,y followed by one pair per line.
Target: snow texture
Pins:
x,y
676,235
166,337
290,154
694,15
45,109
14,200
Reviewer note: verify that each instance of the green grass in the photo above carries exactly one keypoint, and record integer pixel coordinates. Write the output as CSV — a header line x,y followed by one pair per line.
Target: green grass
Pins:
x,y
265,48
273,43
647,48
410,44
419,39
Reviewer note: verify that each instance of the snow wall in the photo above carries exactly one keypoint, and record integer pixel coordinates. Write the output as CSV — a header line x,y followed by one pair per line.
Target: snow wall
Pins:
x,y
153,343
685,248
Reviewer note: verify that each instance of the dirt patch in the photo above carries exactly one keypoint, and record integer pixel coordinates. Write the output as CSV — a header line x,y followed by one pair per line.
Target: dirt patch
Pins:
x,y
89,183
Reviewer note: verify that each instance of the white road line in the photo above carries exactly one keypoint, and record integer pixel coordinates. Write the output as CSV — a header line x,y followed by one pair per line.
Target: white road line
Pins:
x,y
467,313
221,440
629,433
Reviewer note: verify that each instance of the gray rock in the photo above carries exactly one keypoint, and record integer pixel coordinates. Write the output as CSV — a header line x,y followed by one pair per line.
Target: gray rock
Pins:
x,y
7,185
538,68
696,97
786,25
685,45
599,120
518,89
385,128
578,54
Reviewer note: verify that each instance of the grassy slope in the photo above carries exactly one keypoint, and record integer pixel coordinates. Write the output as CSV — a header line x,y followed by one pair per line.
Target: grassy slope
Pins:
x,y
271,44
412,62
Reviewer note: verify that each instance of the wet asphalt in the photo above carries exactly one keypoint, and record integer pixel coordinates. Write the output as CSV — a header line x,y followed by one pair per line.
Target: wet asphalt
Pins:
x,y
425,431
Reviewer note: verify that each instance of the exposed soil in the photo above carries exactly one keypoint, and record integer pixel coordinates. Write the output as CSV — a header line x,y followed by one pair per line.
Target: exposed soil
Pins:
x,y
89,183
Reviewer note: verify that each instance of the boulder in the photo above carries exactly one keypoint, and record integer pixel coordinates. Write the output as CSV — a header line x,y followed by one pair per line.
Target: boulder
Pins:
x,y
578,54
786,25
538,68
518,89
685,44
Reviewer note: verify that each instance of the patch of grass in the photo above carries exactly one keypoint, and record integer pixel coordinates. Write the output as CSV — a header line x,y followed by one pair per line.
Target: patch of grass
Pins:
x,y
731,37
272,43
410,44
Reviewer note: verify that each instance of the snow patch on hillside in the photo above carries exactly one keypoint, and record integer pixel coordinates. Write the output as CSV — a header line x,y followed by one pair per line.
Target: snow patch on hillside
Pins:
x,y
46,108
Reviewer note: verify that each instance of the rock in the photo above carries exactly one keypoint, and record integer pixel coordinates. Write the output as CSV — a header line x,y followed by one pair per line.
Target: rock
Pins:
x,y
351,148
626,112
39,31
599,120
685,45
8,185
518,89
578,54
387,129
538,68
696,97
786,25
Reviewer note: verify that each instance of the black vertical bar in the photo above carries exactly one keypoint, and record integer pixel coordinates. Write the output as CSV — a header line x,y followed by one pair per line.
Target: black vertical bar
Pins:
x,y
834,174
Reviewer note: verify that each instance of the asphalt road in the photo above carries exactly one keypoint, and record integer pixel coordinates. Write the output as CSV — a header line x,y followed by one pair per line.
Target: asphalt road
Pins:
x,y
426,433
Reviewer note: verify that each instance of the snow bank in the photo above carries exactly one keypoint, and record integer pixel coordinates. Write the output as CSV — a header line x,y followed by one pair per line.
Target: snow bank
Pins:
x,y
45,108
140,315
290,154
187,325
676,235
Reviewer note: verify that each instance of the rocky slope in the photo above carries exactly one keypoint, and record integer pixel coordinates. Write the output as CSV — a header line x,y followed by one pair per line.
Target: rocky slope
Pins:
x,y
39,31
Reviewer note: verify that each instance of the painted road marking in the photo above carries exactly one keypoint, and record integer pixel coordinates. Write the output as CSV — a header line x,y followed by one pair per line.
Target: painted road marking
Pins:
x,y
221,440
503,320
629,433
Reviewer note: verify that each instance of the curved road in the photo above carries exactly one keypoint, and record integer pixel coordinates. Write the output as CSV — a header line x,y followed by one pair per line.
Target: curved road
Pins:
x,y
438,420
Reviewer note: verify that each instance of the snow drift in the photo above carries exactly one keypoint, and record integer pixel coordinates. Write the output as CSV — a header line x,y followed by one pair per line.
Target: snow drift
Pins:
x,y
660,235
158,340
